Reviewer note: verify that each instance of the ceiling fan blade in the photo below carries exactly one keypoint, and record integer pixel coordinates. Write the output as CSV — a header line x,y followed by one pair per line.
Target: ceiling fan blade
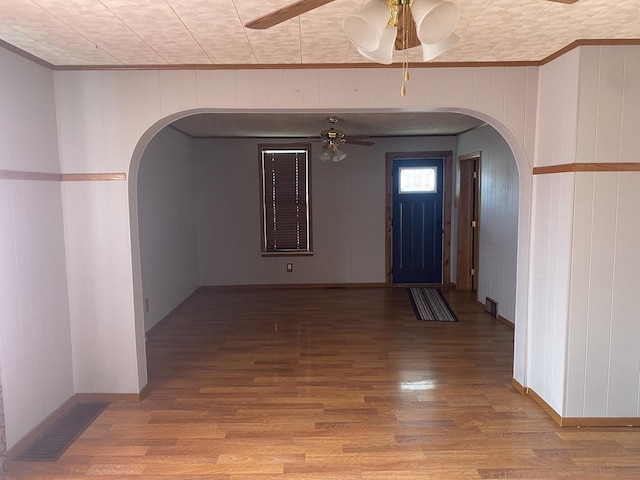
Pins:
x,y
285,13
563,1
358,142
412,34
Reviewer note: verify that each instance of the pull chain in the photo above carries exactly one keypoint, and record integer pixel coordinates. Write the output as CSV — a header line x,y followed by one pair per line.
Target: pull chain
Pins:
x,y
404,4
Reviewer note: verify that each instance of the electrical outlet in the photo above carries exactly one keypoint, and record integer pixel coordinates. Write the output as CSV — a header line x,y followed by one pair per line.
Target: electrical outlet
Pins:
x,y
146,304
289,267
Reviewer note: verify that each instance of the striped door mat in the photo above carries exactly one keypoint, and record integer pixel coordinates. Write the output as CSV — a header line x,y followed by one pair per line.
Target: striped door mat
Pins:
x,y
429,304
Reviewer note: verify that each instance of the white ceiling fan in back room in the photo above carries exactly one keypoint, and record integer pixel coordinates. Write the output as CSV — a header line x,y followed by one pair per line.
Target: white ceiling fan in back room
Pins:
x,y
382,26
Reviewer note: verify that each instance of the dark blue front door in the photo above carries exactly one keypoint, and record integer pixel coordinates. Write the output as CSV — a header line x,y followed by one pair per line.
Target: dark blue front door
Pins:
x,y
417,220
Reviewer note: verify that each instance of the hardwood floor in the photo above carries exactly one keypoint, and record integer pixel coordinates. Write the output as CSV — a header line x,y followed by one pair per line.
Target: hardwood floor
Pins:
x,y
258,383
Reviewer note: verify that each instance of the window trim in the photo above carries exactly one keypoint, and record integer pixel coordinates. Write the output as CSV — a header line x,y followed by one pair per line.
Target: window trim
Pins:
x,y
262,148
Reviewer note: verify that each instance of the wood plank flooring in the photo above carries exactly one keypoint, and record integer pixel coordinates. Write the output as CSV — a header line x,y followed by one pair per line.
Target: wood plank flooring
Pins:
x,y
257,384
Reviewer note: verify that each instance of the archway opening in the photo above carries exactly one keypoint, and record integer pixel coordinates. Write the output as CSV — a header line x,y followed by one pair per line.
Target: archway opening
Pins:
x,y
335,188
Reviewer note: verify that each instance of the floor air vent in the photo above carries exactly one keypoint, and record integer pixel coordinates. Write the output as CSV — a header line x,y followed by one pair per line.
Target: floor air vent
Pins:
x,y
59,436
491,306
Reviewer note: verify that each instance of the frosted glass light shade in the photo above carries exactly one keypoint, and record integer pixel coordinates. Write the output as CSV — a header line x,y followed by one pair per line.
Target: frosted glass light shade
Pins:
x,y
338,156
325,154
332,153
364,28
433,50
384,53
435,19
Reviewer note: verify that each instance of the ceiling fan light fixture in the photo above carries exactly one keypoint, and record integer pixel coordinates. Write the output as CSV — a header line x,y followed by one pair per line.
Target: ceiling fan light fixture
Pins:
x,y
338,156
365,27
433,50
331,151
435,19
384,53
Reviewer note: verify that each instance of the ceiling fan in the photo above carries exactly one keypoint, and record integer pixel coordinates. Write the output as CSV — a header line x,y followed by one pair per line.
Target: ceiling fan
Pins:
x,y
332,138
302,6
332,134
406,37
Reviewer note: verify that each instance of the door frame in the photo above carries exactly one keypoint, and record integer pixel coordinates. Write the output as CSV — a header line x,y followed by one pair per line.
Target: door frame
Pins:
x,y
468,237
446,214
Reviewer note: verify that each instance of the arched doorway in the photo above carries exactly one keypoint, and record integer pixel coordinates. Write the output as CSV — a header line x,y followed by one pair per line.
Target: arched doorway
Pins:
x,y
523,228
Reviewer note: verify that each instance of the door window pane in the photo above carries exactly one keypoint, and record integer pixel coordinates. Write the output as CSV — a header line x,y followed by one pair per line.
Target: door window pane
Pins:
x,y
418,180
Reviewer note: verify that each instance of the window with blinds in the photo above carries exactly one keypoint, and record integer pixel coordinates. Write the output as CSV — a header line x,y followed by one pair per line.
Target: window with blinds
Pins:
x,y
286,225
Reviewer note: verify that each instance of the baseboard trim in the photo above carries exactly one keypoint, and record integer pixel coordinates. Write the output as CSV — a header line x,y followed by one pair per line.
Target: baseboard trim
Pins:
x,y
22,444
506,321
296,285
521,390
555,416
106,397
601,422
575,421
498,317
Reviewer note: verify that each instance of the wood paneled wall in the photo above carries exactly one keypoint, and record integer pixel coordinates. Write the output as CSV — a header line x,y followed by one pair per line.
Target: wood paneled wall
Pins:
x,y
498,218
35,340
584,255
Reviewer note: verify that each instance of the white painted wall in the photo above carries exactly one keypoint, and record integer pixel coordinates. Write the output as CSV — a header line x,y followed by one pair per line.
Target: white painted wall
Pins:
x,y
551,229
603,358
551,259
348,213
106,119
499,194
584,289
609,105
167,224
559,86
35,339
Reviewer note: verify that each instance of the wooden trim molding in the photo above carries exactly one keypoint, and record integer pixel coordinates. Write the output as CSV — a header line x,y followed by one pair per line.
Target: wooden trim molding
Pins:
x,y
587,167
506,322
555,416
283,66
22,175
289,66
469,156
60,177
516,384
601,422
589,42
575,421
92,177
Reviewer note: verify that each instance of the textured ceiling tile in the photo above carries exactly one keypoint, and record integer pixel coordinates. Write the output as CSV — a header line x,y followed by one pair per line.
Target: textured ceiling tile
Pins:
x,y
96,23
158,25
323,37
217,28
278,44
37,26
34,47
161,32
